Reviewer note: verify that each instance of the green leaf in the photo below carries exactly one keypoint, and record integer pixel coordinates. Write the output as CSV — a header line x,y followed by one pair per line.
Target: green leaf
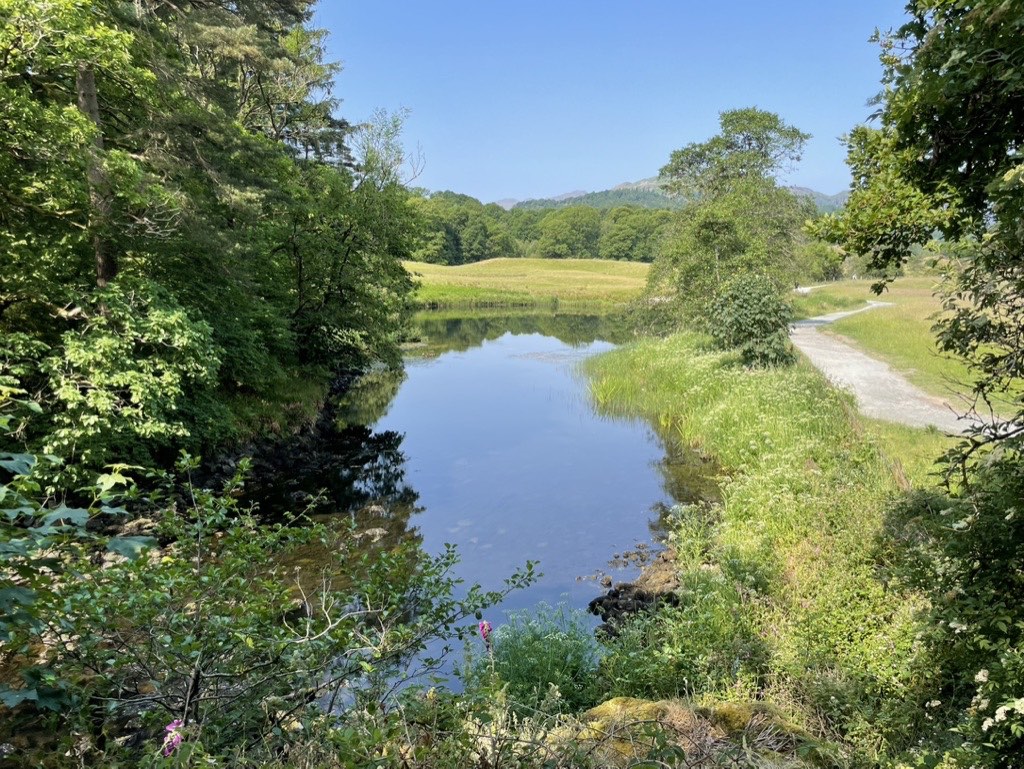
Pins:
x,y
17,464
71,516
13,697
11,597
131,547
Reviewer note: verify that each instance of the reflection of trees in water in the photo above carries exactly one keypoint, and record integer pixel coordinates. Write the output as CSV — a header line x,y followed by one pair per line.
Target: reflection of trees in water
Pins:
x,y
688,477
439,333
342,467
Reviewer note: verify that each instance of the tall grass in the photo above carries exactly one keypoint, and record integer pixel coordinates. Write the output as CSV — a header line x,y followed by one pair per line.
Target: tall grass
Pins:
x,y
804,493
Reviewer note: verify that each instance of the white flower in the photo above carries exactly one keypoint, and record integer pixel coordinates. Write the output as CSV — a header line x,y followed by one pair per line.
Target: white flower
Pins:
x,y
1001,713
933,703
986,724
981,677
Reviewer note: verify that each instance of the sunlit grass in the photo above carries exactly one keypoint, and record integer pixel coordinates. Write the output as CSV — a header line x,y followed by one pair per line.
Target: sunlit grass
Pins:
x,y
529,282
806,486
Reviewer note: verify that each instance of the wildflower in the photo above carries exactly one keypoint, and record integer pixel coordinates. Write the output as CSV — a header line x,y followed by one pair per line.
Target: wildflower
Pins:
x,y
173,738
981,677
485,631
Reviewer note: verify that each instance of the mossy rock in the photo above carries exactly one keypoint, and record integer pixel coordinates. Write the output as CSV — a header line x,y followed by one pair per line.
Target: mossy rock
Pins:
x,y
620,710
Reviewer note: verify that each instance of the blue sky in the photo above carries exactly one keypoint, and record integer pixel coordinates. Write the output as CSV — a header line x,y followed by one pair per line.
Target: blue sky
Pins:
x,y
532,99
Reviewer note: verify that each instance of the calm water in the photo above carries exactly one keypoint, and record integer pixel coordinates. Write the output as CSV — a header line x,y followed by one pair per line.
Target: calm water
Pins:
x,y
490,442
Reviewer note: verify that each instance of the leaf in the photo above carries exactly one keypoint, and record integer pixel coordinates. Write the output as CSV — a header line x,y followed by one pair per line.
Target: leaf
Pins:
x,y
10,597
131,547
17,464
71,516
13,697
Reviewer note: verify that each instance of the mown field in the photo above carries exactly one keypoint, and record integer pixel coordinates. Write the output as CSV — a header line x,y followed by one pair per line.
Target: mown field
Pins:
x,y
528,282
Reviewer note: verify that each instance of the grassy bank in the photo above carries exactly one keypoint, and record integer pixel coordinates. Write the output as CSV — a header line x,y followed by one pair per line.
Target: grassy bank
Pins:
x,y
790,564
581,283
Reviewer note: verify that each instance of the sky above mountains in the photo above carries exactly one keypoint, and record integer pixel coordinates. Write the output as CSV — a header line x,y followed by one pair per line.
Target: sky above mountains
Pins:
x,y
532,99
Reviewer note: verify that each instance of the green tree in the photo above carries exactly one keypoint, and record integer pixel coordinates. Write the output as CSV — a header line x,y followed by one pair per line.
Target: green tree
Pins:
x,y
630,233
570,233
193,148
741,220
946,158
752,145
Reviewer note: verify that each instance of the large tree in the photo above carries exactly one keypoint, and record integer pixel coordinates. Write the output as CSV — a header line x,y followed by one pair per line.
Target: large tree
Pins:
x,y
946,158
739,221
184,160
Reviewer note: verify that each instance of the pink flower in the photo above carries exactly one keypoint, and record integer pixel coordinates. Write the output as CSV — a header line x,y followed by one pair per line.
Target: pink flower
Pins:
x,y
173,738
485,631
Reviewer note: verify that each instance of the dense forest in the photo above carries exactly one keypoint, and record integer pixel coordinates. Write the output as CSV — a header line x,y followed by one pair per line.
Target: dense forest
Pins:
x,y
188,229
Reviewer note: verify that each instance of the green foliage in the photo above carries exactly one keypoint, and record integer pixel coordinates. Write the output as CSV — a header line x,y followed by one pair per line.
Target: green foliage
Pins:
x,y
186,159
947,158
40,542
964,551
752,144
217,631
703,646
571,232
631,233
545,658
647,195
741,222
124,376
794,549
750,314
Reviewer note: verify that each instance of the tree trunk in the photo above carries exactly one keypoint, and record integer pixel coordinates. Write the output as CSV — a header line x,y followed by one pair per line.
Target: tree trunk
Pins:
x,y
100,204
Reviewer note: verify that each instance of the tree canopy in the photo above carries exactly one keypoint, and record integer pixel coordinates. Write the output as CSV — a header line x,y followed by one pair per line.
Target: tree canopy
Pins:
x,y
184,161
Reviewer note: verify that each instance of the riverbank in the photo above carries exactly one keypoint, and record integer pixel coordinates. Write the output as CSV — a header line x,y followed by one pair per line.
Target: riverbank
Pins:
x,y
787,576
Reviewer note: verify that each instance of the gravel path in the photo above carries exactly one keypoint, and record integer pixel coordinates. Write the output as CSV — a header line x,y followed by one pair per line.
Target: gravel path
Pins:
x,y
880,391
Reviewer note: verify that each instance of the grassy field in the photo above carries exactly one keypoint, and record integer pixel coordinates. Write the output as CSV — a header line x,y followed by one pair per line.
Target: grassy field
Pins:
x,y
806,489
900,334
528,282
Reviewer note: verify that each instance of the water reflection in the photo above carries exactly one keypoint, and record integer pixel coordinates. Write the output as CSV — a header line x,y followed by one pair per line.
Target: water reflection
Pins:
x,y
438,332
489,440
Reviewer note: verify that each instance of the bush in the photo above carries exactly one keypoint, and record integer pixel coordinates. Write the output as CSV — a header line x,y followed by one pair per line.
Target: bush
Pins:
x,y
748,314
706,644
219,629
965,551
538,650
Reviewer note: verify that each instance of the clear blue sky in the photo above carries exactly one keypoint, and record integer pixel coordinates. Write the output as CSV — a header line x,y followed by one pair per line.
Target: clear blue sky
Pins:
x,y
531,99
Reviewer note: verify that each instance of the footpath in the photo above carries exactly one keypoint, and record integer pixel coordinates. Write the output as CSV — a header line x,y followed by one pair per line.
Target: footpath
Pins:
x,y
881,392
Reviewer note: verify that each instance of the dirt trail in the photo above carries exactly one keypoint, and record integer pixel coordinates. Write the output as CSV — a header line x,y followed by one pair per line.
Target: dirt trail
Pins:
x,y
881,392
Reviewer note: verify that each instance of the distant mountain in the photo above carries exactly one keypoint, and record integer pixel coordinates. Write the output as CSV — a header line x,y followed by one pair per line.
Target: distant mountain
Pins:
x,y
506,203
646,193
825,203
650,193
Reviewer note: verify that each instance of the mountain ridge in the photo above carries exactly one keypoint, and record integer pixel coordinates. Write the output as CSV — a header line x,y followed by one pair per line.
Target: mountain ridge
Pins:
x,y
649,193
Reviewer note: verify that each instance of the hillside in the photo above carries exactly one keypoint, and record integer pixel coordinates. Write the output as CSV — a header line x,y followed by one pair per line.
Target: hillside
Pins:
x,y
649,193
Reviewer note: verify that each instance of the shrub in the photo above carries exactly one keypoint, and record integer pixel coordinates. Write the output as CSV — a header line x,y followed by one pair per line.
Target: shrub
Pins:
x,y
216,630
748,314
706,644
537,650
